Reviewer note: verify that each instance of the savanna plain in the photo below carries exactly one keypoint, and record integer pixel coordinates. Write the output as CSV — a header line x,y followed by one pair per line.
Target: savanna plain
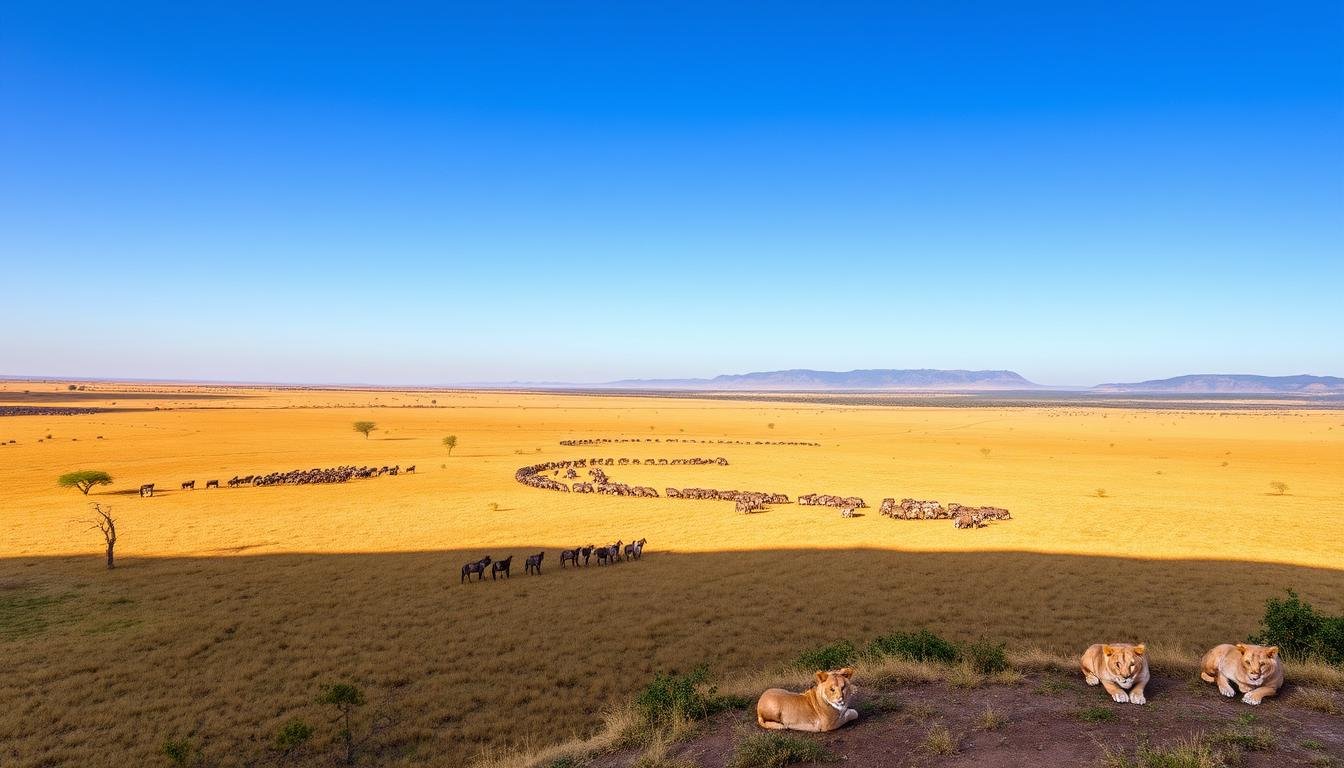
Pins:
x,y
231,608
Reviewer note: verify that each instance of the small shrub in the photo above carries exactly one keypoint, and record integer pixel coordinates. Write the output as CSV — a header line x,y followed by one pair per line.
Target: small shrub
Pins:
x,y
1096,714
1100,493
178,751
671,699
964,676
833,656
494,506
921,712
771,750
292,735
991,719
916,646
1299,631
986,657
1279,487
939,741
985,452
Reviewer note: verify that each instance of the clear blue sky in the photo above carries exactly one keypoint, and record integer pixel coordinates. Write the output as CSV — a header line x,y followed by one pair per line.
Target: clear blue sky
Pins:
x,y
1081,192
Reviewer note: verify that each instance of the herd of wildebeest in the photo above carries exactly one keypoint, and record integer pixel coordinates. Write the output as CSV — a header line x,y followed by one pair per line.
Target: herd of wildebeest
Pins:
x,y
614,440
609,554
546,476
297,477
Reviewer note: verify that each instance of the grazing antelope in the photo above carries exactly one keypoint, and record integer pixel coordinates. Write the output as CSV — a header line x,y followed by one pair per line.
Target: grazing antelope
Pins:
x,y
477,567
410,470
211,483
500,566
570,556
533,563
189,485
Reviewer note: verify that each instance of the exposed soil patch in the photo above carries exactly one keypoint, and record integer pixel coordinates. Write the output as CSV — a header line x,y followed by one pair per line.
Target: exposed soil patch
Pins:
x,y
1046,720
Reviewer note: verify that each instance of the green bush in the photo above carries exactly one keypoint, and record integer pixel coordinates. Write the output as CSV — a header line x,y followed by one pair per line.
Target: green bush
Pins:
x,y
833,656
916,646
770,750
178,751
987,657
1299,631
292,735
671,698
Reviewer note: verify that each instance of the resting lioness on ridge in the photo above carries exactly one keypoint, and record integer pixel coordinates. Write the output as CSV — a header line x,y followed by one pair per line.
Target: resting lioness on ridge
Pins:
x,y
1255,669
1121,668
823,707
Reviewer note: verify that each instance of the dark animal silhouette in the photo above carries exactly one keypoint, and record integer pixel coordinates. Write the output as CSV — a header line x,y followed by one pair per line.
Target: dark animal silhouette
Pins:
x,y
147,490
501,566
586,552
190,485
477,567
410,470
570,556
211,483
533,563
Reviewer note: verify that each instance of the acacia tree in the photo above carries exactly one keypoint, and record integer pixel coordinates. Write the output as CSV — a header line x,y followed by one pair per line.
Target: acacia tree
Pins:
x,y
103,521
450,442
84,479
365,427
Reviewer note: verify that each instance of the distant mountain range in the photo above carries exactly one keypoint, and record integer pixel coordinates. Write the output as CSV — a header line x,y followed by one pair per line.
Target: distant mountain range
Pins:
x,y
1213,383
934,380
872,379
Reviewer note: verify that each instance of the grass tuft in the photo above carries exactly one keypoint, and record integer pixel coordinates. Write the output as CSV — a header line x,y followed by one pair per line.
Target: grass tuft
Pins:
x,y
939,741
1096,714
1195,752
774,750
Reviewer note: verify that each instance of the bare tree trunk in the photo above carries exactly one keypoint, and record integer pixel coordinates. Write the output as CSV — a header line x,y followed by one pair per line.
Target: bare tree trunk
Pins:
x,y
112,542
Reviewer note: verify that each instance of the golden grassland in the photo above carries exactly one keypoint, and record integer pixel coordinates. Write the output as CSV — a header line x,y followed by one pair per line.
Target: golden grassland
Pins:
x,y
231,607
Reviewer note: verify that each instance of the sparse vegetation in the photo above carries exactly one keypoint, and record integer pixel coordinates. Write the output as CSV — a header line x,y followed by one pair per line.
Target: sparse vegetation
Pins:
x,y
179,751
291,737
991,719
1096,714
365,427
1279,487
84,479
450,442
987,657
916,646
1196,752
672,699
985,452
1246,735
1100,493
775,750
1321,701
833,656
939,741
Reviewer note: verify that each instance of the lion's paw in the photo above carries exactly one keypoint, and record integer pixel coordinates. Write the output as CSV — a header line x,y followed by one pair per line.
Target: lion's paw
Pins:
x,y
1227,690
1092,679
1251,699
1120,696
1137,698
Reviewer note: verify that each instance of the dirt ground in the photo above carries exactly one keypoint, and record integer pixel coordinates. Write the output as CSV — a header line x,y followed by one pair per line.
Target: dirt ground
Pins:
x,y
1048,720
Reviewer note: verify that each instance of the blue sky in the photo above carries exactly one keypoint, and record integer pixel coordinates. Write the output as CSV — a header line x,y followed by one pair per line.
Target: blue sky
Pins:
x,y
1081,192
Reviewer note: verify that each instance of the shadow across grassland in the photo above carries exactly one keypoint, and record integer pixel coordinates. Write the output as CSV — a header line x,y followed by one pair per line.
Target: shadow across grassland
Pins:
x,y
226,648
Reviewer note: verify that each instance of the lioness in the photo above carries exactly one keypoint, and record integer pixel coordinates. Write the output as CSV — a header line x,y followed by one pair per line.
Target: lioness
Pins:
x,y
1255,669
823,707
1121,668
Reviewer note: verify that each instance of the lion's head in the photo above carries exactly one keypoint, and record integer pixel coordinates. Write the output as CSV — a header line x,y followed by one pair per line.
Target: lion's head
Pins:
x,y
1123,662
834,686
1258,662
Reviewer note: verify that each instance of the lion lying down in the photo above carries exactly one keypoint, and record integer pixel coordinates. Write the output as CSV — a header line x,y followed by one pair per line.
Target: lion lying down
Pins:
x,y
823,707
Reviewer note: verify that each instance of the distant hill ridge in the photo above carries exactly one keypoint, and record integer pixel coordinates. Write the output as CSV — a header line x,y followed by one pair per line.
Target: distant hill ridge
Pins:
x,y
1231,383
868,379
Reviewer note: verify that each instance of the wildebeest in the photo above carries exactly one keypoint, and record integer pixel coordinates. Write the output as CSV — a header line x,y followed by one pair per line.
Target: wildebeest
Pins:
x,y
476,567
608,554
501,566
211,483
635,549
586,552
410,470
189,485
533,563
147,490
571,556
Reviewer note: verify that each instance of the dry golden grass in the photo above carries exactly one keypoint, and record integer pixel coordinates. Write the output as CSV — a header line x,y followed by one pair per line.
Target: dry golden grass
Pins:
x,y
232,607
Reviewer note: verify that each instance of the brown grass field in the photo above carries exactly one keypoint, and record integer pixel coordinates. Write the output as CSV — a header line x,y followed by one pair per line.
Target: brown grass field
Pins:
x,y
231,608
